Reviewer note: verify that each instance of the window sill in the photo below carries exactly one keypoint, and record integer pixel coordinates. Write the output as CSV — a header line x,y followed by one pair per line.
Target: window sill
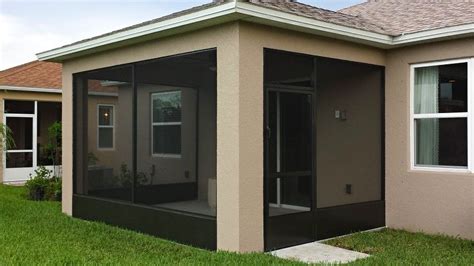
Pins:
x,y
440,169
105,149
167,156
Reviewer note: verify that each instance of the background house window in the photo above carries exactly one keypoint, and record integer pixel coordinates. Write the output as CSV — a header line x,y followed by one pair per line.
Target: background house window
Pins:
x,y
440,114
105,127
166,123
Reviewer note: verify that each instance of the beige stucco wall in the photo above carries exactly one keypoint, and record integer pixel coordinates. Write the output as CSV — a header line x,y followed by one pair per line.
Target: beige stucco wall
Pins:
x,y
230,224
239,112
434,202
349,151
253,40
25,96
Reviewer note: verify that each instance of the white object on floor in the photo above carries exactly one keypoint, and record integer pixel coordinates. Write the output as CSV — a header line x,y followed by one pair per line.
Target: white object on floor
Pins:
x,y
319,253
212,192
192,206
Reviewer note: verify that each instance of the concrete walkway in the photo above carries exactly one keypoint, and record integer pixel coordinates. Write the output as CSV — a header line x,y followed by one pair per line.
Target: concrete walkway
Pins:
x,y
319,253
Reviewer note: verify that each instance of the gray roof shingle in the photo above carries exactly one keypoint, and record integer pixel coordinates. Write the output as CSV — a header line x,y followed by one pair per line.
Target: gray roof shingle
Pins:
x,y
320,14
408,16
148,22
289,6
391,17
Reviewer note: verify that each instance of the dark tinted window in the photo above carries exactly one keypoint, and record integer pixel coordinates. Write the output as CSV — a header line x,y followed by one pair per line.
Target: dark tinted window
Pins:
x,y
22,129
441,89
19,160
288,69
19,107
49,148
174,113
441,142
107,97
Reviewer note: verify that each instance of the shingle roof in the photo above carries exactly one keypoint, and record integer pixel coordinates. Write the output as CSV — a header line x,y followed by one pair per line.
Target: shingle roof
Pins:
x,y
35,74
287,6
320,14
409,16
390,17
148,22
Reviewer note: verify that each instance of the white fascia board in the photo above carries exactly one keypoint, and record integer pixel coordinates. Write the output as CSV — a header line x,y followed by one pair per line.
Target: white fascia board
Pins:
x,y
443,33
349,33
30,89
258,14
180,21
312,24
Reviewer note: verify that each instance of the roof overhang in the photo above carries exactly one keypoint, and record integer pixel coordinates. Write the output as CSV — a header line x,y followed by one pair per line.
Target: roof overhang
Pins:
x,y
447,33
234,11
29,89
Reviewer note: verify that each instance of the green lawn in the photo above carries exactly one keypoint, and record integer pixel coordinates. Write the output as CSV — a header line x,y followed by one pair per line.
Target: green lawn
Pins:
x,y
400,247
37,233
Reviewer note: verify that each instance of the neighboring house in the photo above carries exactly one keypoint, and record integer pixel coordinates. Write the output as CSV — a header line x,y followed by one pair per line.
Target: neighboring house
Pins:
x,y
254,125
30,102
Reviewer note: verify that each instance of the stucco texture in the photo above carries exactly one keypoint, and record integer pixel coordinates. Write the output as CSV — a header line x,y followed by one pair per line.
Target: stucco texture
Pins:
x,y
433,202
230,223
239,112
411,197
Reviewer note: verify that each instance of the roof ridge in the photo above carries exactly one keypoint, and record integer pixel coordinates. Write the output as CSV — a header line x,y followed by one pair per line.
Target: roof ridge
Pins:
x,y
330,11
364,19
337,12
347,7
19,68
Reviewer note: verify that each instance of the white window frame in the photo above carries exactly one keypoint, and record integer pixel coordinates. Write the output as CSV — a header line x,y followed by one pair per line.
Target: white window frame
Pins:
x,y
468,115
33,150
106,126
153,124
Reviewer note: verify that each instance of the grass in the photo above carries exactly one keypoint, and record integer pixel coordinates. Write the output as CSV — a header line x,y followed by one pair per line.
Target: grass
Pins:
x,y
38,233
390,246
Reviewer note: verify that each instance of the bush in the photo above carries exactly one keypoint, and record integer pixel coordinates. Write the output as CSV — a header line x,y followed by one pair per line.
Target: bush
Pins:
x,y
42,186
54,189
36,188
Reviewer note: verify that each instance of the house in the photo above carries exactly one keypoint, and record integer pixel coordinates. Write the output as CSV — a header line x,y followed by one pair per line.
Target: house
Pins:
x,y
255,125
30,102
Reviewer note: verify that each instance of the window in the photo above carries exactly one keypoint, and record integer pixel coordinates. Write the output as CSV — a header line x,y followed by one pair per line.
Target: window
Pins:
x,y
19,107
166,123
441,116
105,126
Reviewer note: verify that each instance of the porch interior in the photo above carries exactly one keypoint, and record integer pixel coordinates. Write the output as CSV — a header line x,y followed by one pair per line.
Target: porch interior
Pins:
x,y
324,147
163,154
146,140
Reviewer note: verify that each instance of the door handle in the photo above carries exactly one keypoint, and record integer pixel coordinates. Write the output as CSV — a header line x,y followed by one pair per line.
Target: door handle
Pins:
x,y
268,132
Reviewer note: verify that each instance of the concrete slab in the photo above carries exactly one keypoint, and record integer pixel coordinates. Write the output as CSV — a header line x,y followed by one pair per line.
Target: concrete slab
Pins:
x,y
319,253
